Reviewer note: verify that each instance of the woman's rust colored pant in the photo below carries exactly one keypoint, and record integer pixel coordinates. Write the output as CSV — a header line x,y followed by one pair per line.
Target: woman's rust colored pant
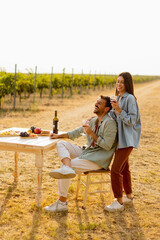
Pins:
x,y
120,173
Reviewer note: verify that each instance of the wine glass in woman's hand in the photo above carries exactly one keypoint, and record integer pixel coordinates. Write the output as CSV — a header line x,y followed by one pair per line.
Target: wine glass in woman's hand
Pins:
x,y
113,99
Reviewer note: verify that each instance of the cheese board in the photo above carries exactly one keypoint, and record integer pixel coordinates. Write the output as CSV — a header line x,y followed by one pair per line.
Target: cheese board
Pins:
x,y
10,133
29,137
43,133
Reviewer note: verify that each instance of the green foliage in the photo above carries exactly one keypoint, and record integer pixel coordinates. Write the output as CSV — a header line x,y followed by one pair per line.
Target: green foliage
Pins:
x,y
29,88
57,82
143,78
68,81
42,83
3,90
25,82
20,83
8,81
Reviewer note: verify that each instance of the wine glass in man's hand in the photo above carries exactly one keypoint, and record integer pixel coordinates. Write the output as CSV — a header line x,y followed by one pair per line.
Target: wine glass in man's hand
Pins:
x,y
84,122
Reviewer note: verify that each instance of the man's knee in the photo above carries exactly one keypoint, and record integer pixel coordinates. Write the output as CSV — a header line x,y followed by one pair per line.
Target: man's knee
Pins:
x,y
61,142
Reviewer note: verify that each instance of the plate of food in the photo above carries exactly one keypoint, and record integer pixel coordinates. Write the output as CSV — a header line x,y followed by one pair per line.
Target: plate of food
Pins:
x,y
39,131
28,135
9,133
45,133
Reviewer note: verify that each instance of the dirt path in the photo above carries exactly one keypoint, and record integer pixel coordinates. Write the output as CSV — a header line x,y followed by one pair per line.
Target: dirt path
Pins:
x,y
20,219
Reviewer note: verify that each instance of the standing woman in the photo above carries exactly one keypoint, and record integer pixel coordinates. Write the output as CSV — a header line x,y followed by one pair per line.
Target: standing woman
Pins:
x,y
126,113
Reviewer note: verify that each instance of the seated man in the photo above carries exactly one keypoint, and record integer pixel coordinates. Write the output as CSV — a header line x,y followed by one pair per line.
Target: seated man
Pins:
x,y
101,132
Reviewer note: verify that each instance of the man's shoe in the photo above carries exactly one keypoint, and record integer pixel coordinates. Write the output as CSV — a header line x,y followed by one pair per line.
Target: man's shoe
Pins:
x,y
115,206
63,172
57,207
127,200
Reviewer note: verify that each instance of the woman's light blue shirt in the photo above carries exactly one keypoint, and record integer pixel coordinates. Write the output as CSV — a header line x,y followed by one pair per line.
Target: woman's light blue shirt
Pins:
x,y
129,123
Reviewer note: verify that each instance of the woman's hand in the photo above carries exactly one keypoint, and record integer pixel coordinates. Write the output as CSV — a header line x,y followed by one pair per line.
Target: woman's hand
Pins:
x,y
89,119
85,122
115,105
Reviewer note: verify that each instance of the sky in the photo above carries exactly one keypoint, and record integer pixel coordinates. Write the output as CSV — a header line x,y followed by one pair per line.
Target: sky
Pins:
x,y
97,36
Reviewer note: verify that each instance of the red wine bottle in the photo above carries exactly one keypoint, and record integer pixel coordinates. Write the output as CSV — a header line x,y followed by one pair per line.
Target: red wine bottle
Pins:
x,y
55,123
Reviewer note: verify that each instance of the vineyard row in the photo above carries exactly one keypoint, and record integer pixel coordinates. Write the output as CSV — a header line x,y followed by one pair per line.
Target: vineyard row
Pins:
x,y
29,83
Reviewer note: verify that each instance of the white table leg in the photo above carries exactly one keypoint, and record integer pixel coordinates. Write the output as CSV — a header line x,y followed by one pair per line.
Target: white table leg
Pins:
x,y
15,173
39,165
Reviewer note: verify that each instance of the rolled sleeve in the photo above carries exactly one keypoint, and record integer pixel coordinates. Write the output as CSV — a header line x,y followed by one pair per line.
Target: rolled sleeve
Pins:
x,y
75,133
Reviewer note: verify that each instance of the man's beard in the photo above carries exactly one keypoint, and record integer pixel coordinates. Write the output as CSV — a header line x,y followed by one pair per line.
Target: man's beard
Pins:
x,y
96,110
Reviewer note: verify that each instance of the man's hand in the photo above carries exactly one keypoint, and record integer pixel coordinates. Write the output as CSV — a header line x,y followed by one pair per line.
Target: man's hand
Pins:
x,y
90,132
87,129
54,136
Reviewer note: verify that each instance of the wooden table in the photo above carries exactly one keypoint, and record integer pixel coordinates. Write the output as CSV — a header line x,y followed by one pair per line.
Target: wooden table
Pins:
x,y
38,146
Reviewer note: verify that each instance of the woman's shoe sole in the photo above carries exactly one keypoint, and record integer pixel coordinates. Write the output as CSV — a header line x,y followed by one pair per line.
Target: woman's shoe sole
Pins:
x,y
114,210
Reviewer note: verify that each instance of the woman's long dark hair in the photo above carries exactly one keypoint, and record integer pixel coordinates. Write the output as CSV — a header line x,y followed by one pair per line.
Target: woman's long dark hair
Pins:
x,y
128,83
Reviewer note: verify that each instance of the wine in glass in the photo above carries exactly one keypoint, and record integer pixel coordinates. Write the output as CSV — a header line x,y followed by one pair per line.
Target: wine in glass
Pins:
x,y
113,99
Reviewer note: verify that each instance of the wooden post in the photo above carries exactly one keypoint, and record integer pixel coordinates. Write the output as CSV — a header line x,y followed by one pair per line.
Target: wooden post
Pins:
x,y
14,102
63,82
81,82
71,88
50,88
34,84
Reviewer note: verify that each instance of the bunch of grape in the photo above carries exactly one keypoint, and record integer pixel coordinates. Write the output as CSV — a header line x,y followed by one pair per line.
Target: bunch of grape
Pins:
x,y
24,134
32,128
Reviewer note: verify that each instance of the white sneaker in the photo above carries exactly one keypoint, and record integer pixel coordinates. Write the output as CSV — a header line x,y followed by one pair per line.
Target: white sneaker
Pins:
x,y
63,172
57,207
127,200
115,206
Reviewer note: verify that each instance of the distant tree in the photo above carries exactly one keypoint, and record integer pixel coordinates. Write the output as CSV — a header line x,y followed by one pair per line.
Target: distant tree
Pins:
x,y
8,80
20,85
30,83
57,82
3,92
42,83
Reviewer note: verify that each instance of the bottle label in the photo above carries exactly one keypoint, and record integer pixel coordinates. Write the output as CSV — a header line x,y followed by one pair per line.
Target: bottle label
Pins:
x,y
55,127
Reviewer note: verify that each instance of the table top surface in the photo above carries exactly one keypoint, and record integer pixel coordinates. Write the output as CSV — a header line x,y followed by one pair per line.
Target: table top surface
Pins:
x,y
40,142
